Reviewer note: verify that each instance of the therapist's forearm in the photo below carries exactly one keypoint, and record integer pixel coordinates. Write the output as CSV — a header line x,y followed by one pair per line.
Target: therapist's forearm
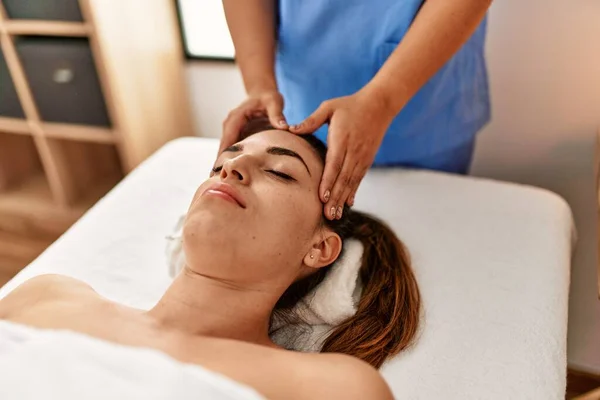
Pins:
x,y
252,27
439,30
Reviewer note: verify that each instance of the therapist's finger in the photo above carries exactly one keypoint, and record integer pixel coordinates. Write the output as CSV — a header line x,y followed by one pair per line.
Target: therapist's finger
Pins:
x,y
359,174
352,196
232,126
342,187
314,121
333,166
343,199
351,199
275,112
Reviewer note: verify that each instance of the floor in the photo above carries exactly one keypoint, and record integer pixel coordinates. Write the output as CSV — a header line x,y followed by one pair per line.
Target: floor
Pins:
x,y
23,239
582,385
27,228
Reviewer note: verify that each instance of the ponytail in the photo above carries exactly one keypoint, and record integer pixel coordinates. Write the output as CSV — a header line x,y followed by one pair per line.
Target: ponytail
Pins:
x,y
387,315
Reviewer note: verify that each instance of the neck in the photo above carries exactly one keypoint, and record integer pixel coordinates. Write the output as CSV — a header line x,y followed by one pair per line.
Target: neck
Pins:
x,y
205,306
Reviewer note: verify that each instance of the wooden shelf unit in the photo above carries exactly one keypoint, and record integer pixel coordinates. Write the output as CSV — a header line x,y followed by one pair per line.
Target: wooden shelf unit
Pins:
x,y
131,53
46,28
81,133
52,172
14,125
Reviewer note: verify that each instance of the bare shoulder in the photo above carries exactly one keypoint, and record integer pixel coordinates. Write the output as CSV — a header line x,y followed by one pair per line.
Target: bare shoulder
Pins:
x,y
50,283
39,289
341,376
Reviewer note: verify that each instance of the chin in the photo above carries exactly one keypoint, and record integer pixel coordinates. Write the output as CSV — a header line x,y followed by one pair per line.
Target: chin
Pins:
x,y
202,225
211,254
205,231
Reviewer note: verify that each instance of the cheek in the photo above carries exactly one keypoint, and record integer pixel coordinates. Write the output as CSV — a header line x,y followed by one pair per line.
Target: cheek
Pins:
x,y
295,213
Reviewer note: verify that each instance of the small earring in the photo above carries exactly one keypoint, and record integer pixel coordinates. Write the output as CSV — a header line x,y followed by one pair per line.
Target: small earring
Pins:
x,y
311,256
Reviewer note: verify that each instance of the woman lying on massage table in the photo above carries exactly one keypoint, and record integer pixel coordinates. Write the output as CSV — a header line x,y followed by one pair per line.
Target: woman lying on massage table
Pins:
x,y
255,241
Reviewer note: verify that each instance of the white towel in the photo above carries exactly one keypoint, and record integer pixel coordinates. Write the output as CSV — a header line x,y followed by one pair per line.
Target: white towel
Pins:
x,y
51,364
331,302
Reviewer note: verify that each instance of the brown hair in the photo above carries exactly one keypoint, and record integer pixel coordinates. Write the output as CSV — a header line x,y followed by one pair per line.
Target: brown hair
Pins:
x,y
387,316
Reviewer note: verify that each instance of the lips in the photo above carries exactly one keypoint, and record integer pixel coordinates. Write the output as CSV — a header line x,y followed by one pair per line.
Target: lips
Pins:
x,y
227,192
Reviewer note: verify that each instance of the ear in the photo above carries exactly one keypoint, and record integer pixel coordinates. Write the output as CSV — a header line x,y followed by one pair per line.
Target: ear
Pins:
x,y
324,251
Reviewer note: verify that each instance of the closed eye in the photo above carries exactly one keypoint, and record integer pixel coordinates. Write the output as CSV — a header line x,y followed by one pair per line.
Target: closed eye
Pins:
x,y
278,174
281,175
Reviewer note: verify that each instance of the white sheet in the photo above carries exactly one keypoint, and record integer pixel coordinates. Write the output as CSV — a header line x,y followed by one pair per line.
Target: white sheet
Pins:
x,y
492,260
46,364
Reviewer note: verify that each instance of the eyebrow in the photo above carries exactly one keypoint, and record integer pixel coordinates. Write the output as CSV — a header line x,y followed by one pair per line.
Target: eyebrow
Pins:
x,y
234,149
276,151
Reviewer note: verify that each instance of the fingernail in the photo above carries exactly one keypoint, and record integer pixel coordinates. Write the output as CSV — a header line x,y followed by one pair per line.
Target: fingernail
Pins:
x,y
351,201
332,212
326,195
282,124
339,212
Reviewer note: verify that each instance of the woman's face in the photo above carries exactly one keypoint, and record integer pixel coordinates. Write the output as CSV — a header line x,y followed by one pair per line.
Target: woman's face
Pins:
x,y
257,218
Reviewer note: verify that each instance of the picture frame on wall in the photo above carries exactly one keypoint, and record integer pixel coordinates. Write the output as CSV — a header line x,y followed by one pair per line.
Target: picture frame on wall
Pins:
x,y
204,31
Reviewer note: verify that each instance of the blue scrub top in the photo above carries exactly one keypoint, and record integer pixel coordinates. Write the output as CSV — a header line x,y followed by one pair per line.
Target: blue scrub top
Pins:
x,y
332,48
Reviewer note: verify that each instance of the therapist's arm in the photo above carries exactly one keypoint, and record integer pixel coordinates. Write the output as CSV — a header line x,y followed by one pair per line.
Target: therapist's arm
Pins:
x,y
357,123
438,32
252,27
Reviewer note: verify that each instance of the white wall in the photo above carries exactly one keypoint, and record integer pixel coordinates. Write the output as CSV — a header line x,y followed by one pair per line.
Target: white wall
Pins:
x,y
544,63
216,87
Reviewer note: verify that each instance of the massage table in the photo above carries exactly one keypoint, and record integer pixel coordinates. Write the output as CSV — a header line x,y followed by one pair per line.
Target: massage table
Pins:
x,y
492,261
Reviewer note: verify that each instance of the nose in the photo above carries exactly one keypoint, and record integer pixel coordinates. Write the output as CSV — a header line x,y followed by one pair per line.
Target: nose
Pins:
x,y
237,169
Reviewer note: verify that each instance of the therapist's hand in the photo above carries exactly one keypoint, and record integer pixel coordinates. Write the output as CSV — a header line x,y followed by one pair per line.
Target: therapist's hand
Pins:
x,y
267,103
357,124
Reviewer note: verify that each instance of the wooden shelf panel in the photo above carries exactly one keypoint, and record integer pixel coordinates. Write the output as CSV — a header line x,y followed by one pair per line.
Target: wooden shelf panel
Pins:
x,y
85,168
46,28
30,207
81,133
14,125
33,192
19,160
93,194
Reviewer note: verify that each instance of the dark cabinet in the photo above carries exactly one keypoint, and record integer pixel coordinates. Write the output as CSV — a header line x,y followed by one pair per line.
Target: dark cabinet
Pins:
x,y
57,10
9,101
63,79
